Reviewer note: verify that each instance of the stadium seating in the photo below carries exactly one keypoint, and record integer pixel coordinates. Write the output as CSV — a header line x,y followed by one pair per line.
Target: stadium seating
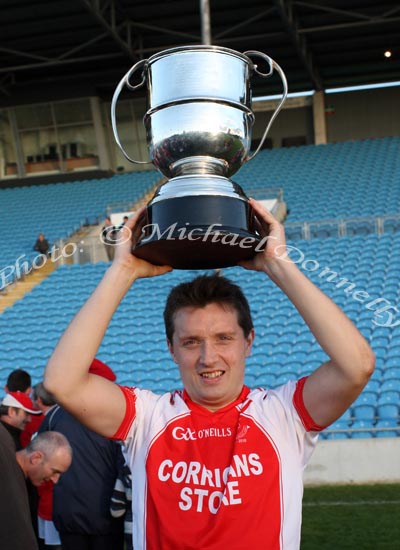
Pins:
x,y
360,272
337,180
58,210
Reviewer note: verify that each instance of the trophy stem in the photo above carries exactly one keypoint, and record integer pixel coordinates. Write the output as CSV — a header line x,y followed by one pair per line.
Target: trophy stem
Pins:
x,y
199,165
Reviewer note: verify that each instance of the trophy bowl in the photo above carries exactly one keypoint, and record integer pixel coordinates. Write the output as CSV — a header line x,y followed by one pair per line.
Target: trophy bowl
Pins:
x,y
198,127
199,137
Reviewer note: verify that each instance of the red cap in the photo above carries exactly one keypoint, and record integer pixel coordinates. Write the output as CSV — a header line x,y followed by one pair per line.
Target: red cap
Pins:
x,y
101,369
20,400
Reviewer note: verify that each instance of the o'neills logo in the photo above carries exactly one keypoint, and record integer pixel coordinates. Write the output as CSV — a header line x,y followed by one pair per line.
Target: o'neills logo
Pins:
x,y
187,434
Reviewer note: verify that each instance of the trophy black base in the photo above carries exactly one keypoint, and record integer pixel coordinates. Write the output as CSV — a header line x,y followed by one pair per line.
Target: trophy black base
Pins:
x,y
199,232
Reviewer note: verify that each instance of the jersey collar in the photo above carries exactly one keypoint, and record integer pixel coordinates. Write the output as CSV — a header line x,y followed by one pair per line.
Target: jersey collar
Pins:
x,y
203,410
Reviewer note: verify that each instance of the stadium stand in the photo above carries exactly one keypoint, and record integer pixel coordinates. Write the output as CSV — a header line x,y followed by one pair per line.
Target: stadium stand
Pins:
x,y
58,210
358,271
337,180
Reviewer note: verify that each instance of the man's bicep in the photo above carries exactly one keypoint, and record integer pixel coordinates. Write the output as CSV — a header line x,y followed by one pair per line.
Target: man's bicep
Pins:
x,y
328,393
99,405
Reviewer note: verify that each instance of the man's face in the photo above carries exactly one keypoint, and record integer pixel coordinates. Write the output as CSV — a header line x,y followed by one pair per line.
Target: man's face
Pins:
x,y
18,418
210,349
48,469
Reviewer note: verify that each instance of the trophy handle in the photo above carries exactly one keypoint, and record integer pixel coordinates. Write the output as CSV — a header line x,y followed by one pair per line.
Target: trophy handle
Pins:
x,y
272,65
125,81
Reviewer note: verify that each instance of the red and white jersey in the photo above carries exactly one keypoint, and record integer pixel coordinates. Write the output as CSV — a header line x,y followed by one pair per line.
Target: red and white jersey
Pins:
x,y
206,480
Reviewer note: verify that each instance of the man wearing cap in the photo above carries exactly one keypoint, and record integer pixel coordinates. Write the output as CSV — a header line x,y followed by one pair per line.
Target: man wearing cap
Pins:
x,y
20,380
15,412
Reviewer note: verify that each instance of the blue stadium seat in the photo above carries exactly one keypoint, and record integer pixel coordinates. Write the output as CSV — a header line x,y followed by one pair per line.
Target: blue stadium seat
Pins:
x,y
390,385
362,429
392,373
364,408
342,424
387,428
388,411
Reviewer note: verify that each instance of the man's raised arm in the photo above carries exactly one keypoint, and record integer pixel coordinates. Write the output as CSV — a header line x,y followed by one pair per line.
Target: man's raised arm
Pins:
x,y
331,388
96,402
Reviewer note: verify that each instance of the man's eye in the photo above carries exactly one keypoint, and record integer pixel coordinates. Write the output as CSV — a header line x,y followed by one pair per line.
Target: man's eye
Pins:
x,y
190,342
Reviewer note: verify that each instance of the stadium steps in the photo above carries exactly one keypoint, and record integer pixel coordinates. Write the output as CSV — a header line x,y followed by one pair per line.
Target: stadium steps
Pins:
x,y
23,286
89,245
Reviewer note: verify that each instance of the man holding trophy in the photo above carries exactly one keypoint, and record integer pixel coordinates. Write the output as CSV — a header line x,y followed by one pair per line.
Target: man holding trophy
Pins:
x,y
216,465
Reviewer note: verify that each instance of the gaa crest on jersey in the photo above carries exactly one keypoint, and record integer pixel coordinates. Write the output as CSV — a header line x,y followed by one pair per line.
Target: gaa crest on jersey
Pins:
x,y
241,433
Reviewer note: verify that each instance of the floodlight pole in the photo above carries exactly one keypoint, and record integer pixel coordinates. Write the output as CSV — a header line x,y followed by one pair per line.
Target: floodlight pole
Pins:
x,y
205,22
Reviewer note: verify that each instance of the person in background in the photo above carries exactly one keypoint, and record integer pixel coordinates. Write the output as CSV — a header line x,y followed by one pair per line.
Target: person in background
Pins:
x,y
121,502
81,501
41,245
108,234
49,538
124,221
16,410
46,458
20,380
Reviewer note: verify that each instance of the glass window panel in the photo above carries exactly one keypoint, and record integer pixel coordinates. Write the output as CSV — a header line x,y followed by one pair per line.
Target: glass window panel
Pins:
x,y
73,111
34,116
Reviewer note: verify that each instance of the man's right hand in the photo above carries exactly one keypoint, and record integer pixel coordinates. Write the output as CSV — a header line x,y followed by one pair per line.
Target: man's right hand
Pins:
x,y
125,239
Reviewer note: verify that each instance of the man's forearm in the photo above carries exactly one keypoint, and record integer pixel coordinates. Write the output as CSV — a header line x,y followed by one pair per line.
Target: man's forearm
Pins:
x,y
70,361
335,333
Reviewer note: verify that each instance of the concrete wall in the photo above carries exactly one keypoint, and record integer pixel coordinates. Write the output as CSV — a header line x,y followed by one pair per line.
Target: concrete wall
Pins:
x,y
363,114
288,123
356,461
354,115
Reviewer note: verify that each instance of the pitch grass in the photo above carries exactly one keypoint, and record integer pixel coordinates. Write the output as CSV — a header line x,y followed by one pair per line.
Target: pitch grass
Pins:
x,y
353,517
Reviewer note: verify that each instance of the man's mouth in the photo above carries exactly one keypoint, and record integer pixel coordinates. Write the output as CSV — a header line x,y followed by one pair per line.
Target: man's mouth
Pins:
x,y
213,374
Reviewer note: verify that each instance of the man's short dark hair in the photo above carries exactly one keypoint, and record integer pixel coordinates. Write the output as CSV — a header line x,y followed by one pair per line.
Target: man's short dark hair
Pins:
x,y
204,290
19,380
4,410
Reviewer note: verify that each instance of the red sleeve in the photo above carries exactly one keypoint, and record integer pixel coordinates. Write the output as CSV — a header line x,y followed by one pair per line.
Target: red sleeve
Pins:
x,y
298,402
130,413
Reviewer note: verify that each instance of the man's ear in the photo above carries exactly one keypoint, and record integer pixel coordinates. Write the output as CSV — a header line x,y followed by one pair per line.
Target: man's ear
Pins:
x,y
36,457
171,349
249,342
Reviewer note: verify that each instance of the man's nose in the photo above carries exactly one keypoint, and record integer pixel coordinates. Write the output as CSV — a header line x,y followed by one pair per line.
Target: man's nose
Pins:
x,y
207,354
54,478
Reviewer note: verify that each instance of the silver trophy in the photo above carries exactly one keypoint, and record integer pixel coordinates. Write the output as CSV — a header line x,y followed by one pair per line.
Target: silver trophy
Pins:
x,y
198,126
